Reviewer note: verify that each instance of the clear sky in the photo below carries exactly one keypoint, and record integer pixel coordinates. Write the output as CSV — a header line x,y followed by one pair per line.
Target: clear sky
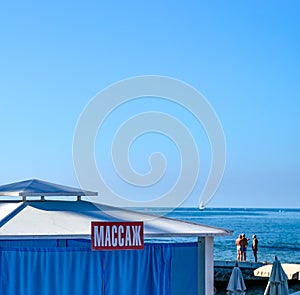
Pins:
x,y
243,56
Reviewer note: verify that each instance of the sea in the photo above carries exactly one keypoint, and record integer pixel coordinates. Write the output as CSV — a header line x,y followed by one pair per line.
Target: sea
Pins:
x,y
277,230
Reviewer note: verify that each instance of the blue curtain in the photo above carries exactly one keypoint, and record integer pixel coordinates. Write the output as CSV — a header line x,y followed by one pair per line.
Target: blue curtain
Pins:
x,y
184,269
138,272
77,270
34,271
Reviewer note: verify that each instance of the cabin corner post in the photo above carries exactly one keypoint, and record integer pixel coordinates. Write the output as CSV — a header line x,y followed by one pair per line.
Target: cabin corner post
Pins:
x,y
205,265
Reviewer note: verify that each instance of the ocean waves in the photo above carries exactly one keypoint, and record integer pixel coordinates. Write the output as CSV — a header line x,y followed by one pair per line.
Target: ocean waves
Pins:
x,y
277,230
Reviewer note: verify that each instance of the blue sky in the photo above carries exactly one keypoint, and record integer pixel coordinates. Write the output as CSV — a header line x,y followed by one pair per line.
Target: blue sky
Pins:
x,y
243,56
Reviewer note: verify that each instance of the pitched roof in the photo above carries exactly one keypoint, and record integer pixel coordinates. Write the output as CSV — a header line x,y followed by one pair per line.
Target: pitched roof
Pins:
x,y
65,219
36,187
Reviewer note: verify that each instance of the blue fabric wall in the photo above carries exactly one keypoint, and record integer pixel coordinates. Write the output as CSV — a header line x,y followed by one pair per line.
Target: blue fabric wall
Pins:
x,y
50,271
138,272
184,269
39,267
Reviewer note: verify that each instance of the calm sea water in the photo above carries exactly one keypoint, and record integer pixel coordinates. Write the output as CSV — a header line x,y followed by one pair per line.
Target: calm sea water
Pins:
x,y
278,230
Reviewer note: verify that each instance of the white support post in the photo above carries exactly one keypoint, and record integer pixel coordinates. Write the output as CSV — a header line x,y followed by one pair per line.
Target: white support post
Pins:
x,y
205,265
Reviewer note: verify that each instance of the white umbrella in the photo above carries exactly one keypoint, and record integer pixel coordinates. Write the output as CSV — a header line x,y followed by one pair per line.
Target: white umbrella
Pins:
x,y
278,280
236,284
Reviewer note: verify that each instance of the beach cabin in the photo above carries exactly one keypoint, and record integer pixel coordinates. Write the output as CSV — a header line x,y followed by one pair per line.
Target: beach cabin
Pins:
x,y
46,247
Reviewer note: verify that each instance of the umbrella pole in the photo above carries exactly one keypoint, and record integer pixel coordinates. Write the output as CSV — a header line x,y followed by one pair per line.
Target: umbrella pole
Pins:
x,y
267,288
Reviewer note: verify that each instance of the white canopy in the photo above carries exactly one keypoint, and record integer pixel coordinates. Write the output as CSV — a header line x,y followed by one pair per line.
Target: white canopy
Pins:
x,y
36,187
65,219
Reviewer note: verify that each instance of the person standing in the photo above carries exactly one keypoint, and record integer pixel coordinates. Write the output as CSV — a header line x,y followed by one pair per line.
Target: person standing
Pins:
x,y
254,247
244,245
238,248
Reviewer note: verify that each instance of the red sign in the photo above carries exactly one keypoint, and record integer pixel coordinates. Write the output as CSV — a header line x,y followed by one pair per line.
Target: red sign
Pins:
x,y
113,235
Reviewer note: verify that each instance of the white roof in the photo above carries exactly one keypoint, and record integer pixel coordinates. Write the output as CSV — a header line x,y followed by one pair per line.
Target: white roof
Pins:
x,y
7,208
66,219
36,187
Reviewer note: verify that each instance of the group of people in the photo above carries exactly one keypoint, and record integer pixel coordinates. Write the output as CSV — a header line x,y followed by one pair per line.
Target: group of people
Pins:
x,y
242,245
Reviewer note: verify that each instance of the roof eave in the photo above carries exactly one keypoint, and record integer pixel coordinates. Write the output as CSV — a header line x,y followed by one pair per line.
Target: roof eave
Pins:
x,y
88,236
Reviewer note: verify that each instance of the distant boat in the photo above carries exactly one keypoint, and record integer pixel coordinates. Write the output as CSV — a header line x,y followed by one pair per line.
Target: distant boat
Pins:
x,y
201,206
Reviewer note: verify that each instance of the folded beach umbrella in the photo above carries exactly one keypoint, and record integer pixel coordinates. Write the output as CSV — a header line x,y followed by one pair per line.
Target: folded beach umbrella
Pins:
x,y
236,284
278,282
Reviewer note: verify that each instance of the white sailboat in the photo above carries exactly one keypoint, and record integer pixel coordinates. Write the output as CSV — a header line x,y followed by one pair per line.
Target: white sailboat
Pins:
x,y
201,206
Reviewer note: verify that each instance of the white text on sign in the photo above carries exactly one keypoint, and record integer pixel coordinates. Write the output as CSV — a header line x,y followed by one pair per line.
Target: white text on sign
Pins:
x,y
117,235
